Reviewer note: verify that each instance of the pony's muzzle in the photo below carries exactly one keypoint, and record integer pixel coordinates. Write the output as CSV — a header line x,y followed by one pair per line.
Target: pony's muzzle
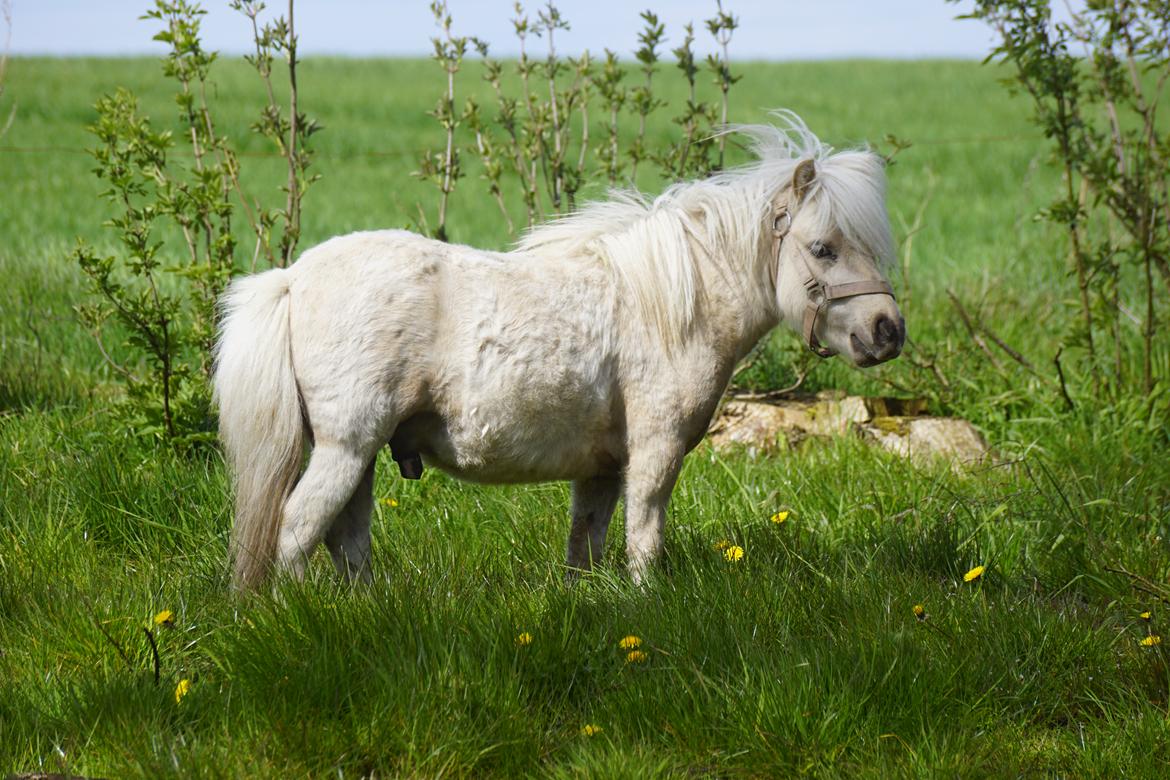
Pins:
x,y
886,338
889,335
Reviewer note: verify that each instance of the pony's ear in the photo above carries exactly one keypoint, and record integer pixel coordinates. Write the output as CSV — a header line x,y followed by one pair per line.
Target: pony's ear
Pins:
x,y
802,179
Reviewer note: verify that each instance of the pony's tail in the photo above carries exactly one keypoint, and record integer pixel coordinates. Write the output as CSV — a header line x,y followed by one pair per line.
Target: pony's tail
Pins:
x,y
260,422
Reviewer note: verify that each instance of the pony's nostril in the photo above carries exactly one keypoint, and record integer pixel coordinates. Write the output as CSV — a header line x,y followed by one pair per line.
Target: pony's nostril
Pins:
x,y
885,331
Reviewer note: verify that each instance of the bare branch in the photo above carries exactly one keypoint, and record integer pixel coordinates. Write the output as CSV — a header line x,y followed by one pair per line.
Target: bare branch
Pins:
x,y
974,334
293,204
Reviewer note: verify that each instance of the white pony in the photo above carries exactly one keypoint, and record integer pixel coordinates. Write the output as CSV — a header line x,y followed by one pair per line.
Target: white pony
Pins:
x,y
595,351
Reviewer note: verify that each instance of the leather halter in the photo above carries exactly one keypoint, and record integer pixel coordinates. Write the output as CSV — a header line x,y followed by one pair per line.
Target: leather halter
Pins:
x,y
820,294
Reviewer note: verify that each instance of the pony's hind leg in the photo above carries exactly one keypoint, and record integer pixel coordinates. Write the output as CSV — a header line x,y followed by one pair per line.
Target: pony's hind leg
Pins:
x,y
348,539
593,503
329,481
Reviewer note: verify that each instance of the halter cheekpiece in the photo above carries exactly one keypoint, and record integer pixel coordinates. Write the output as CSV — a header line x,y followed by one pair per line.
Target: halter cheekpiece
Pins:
x,y
820,294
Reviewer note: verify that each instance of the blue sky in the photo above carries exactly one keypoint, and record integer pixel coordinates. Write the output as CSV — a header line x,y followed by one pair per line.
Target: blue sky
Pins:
x,y
770,29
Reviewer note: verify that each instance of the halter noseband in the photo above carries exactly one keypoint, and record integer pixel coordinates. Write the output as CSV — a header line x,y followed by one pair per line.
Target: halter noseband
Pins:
x,y
820,294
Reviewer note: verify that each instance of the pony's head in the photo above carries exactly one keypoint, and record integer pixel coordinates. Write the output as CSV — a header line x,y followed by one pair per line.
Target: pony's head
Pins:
x,y
827,239
830,238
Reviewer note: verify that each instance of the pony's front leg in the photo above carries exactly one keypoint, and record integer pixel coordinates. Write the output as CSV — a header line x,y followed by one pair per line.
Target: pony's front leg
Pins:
x,y
650,479
593,503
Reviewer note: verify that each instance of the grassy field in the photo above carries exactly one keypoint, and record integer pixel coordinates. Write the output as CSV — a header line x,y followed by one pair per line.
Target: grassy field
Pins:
x,y
803,657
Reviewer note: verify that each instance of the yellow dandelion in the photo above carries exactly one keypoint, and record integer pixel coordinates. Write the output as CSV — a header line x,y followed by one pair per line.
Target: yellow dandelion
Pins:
x,y
973,575
390,502
1151,640
523,639
780,516
165,618
181,690
722,544
733,553
920,612
630,642
636,657
1145,615
590,730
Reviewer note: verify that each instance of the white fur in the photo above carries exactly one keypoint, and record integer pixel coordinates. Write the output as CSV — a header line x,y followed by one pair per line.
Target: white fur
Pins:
x,y
595,352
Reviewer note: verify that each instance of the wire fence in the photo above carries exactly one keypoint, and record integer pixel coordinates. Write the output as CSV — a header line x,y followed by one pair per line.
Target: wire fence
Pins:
x,y
325,154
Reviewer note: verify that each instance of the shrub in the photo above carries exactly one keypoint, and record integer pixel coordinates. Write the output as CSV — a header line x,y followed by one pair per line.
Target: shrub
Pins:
x,y
1095,83
165,310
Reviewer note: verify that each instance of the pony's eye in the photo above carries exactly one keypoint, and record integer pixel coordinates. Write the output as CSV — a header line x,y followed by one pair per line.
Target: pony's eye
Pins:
x,y
822,251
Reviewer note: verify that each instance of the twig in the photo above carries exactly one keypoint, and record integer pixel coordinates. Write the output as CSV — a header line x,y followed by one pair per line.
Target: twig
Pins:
x,y
1138,582
747,362
908,242
583,71
722,26
1016,356
770,395
925,364
293,205
533,128
28,321
1060,373
551,21
263,65
1013,354
900,387
974,334
153,652
112,641
485,153
97,337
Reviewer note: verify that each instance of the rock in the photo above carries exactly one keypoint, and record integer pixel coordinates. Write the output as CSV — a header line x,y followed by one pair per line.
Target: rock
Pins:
x,y
924,438
899,425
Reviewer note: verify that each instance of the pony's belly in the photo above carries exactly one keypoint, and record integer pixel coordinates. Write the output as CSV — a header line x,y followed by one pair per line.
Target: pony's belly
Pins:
x,y
525,456
498,471
509,454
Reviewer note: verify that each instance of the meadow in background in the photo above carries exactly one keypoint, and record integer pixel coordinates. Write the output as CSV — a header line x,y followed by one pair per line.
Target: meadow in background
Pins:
x,y
818,611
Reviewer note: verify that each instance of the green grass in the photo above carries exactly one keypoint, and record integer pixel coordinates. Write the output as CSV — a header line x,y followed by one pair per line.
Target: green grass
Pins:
x,y
804,657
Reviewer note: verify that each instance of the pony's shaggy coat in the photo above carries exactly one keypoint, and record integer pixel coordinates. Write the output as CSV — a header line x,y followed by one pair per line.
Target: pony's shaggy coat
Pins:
x,y
595,351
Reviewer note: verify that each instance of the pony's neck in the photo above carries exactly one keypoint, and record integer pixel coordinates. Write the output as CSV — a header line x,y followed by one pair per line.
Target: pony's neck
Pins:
x,y
739,294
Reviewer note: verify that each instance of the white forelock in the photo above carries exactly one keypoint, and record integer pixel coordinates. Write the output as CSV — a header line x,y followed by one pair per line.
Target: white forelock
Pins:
x,y
656,248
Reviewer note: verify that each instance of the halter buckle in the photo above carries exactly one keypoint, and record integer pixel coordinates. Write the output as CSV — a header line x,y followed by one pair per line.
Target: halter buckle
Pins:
x,y
815,291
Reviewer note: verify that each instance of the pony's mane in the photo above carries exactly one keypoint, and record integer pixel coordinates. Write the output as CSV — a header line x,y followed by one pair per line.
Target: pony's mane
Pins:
x,y
653,246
